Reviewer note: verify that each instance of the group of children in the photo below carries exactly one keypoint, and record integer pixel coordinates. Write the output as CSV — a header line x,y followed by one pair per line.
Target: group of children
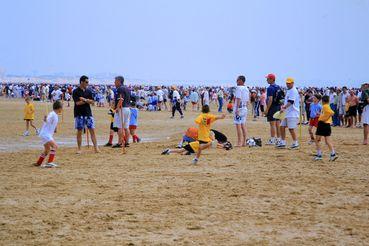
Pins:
x,y
133,124
195,140
321,118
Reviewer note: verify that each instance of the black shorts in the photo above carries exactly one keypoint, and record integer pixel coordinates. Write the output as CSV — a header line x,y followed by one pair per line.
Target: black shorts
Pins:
x,y
273,109
189,148
323,129
115,129
360,108
352,111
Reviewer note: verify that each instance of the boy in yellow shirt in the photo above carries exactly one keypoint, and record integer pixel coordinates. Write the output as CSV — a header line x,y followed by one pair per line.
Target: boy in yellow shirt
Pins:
x,y
204,121
29,116
324,130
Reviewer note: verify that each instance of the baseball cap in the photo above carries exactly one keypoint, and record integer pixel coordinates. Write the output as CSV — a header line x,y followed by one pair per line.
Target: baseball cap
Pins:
x,y
290,80
270,76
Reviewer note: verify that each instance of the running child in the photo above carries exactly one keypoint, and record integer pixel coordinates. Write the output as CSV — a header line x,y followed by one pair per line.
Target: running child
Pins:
x,y
112,128
315,110
324,130
204,121
133,122
29,116
46,134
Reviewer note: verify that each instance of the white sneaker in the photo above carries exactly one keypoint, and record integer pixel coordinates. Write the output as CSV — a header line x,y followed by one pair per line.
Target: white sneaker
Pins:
x,y
49,165
194,161
26,133
37,132
271,142
294,146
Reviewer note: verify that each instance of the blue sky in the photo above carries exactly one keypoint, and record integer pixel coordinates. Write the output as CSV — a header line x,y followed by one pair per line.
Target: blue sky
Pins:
x,y
314,41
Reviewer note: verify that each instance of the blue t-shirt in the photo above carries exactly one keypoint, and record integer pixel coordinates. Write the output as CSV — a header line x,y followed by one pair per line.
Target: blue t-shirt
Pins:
x,y
315,110
271,91
133,120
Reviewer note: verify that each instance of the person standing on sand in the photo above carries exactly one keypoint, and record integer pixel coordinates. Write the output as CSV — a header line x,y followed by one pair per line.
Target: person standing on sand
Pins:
x,y
273,105
292,108
365,116
82,98
242,98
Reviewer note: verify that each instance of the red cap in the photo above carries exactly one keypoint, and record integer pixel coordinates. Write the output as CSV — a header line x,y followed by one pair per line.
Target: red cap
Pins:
x,y
270,76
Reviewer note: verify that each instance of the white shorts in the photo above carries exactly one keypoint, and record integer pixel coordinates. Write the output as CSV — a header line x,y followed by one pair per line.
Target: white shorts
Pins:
x,y
240,119
290,122
118,116
45,139
365,115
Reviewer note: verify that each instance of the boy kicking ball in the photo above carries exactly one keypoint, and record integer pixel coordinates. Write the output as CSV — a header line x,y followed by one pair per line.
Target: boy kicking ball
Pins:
x,y
324,130
46,134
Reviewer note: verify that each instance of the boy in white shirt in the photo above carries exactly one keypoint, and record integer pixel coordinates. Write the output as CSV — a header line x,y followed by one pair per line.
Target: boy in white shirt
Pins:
x,y
46,134
292,109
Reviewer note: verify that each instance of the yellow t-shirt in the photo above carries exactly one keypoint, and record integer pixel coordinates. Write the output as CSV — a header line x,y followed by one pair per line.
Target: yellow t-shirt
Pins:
x,y
29,111
204,121
327,113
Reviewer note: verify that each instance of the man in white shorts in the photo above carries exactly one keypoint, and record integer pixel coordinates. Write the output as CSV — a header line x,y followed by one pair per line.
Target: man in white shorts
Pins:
x,y
365,115
291,107
242,98
122,103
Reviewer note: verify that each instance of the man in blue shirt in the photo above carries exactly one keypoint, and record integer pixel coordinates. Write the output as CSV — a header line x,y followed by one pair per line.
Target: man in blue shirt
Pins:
x,y
273,106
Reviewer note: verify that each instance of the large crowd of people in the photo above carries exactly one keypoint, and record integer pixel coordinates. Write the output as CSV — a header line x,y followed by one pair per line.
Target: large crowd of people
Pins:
x,y
284,106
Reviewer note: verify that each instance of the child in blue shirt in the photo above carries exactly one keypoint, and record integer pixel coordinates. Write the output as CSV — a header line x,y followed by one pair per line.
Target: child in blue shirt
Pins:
x,y
315,110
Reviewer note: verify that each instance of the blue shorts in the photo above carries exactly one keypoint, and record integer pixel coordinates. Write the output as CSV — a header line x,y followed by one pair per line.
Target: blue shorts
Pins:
x,y
188,139
80,122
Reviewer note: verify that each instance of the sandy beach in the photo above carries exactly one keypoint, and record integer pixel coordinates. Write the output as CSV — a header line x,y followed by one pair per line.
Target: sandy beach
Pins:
x,y
245,196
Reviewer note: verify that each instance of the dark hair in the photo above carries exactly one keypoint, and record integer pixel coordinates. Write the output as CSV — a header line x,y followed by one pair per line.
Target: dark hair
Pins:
x,y
318,96
205,109
325,99
57,105
120,79
242,78
83,78
133,103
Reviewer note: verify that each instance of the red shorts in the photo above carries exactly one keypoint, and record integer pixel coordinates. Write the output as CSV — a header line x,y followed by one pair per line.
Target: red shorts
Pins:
x,y
132,127
314,122
194,103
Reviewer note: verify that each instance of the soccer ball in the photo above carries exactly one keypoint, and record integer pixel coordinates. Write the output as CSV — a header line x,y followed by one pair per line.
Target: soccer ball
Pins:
x,y
251,142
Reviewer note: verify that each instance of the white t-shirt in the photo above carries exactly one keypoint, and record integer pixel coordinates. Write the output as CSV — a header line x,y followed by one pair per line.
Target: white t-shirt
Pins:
x,y
56,94
176,95
48,128
242,93
294,110
206,97
160,94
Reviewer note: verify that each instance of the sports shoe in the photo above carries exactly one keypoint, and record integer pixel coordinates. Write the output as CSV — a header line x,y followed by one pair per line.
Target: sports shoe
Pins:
x,y
108,145
194,161
166,152
126,145
26,133
49,165
117,145
333,157
37,132
271,142
138,140
294,146
280,146
311,142
182,116
318,158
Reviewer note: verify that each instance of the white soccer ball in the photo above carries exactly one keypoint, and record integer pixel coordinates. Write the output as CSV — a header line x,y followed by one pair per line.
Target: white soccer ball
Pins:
x,y
250,142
